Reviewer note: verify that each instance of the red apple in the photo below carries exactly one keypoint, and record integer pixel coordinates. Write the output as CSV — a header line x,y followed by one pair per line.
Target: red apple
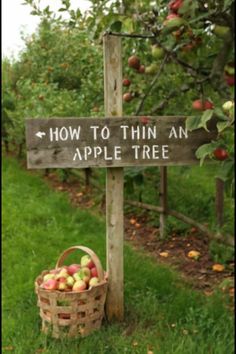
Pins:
x,y
134,62
229,79
144,120
126,82
94,272
200,105
141,69
73,268
175,5
220,154
79,285
50,284
127,97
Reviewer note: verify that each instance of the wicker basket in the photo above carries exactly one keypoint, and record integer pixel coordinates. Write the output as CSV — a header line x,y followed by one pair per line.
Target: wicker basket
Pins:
x,y
72,314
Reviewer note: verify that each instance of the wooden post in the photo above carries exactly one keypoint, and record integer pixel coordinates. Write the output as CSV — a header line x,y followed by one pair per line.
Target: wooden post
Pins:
x,y
114,183
163,200
219,202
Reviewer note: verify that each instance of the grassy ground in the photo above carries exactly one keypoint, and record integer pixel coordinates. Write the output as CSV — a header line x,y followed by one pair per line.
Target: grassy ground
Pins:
x,y
162,314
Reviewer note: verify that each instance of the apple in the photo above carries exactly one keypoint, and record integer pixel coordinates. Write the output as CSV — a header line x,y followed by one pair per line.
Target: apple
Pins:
x,y
73,268
86,261
76,276
127,97
173,22
126,82
200,105
220,154
227,106
70,281
221,31
94,272
229,69
157,52
141,69
79,285
144,120
229,79
50,284
134,62
62,274
62,285
175,5
93,281
151,69
84,274
48,276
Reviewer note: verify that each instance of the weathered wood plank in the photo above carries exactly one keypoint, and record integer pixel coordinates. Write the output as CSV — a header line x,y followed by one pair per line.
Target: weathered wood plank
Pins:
x,y
112,142
163,200
114,181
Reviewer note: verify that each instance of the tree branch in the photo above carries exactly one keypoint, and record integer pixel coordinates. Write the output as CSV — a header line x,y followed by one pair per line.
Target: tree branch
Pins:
x,y
140,107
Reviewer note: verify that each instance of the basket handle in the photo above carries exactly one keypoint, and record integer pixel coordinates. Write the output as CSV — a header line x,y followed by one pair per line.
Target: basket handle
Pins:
x,y
87,250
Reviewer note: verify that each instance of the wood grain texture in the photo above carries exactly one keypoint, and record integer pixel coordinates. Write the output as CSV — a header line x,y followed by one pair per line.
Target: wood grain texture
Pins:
x,y
112,141
114,182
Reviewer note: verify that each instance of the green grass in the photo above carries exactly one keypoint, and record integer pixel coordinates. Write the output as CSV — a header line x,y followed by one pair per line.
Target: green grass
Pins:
x,y
161,312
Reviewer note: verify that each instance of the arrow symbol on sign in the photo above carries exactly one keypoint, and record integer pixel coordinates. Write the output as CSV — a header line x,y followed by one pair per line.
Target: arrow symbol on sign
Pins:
x,y
40,134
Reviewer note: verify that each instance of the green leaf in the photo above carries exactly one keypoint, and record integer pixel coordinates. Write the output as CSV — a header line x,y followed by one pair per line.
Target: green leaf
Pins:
x,y
204,150
193,122
222,126
220,114
128,25
207,115
226,170
116,26
227,3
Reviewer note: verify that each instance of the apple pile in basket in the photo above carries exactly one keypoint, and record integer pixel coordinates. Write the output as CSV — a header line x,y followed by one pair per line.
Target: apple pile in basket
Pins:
x,y
75,277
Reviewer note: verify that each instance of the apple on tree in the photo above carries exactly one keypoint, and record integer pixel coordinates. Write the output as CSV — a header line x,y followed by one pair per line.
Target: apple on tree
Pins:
x,y
127,97
175,5
134,62
126,82
221,154
202,105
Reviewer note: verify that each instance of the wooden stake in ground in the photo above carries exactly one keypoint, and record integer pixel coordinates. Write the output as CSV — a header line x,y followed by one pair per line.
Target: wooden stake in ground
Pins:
x,y
163,200
114,183
219,202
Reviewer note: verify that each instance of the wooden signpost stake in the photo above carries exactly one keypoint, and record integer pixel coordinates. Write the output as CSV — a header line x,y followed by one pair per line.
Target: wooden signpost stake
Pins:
x,y
114,142
114,183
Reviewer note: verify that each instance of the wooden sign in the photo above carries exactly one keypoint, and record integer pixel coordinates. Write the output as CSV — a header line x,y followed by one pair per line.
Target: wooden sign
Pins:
x,y
112,142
